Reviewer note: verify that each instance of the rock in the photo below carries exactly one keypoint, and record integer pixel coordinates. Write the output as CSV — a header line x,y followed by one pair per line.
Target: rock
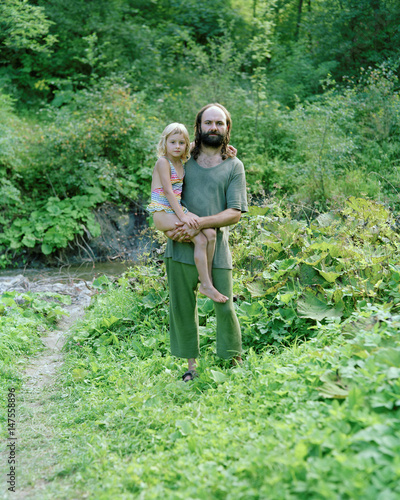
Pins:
x,y
17,283
78,290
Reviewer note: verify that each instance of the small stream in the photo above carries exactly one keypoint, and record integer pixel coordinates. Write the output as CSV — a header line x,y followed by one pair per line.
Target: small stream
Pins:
x,y
70,279
86,271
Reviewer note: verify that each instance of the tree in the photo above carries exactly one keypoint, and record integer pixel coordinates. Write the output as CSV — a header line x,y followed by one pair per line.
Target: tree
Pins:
x,y
23,27
354,33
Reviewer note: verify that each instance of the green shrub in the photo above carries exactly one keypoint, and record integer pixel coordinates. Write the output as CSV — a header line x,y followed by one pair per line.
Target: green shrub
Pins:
x,y
102,140
54,226
291,273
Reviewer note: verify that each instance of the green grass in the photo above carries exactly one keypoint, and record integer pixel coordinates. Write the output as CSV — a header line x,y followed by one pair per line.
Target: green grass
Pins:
x,y
318,420
313,412
24,318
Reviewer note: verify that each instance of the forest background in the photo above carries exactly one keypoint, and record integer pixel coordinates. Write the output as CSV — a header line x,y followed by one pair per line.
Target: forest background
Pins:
x,y
314,410
87,87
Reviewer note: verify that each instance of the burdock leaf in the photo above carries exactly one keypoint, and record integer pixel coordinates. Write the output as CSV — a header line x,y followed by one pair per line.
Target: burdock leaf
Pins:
x,y
313,305
218,377
334,391
330,276
257,288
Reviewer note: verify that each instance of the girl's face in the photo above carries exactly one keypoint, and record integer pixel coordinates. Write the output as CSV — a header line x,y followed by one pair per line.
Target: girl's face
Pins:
x,y
176,145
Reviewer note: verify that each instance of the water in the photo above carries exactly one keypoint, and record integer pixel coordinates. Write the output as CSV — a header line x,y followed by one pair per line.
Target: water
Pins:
x,y
66,274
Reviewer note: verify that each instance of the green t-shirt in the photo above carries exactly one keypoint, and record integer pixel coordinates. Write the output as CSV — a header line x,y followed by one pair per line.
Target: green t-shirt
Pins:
x,y
208,191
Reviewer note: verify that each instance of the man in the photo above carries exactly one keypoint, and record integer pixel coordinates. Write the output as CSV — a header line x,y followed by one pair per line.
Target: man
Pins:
x,y
215,190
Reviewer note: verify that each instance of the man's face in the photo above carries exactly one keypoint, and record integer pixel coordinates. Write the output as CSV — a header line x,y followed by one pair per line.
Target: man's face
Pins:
x,y
213,127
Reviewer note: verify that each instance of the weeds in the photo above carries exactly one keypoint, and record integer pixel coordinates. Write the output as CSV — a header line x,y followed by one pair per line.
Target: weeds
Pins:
x,y
24,318
313,411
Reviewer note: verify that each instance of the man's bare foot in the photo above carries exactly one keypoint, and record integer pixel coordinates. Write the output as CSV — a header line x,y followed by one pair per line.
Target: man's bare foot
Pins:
x,y
212,293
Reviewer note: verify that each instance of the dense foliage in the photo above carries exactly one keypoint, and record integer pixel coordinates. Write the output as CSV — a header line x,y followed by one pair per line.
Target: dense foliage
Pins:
x,y
313,89
312,413
86,89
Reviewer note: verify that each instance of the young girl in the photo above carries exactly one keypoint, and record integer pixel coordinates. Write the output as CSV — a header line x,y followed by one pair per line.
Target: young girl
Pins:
x,y
166,188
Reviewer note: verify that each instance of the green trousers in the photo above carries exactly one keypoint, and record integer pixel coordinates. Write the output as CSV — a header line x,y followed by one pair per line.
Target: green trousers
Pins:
x,y
184,324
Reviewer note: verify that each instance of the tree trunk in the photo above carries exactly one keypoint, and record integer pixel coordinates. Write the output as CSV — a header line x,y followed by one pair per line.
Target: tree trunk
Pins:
x,y
299,12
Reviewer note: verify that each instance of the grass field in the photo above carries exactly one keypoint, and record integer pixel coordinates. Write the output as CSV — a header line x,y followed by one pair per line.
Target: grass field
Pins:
x,y
313,412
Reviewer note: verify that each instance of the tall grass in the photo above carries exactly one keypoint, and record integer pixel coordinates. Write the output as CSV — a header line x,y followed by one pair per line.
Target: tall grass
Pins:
x,y
313,412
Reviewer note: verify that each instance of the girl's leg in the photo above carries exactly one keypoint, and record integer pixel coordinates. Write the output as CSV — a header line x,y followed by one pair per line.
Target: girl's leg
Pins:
x,y
211,235
165,221
200,258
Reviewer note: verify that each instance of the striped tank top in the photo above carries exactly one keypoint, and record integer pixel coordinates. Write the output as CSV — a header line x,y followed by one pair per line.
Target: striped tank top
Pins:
x,y
159,202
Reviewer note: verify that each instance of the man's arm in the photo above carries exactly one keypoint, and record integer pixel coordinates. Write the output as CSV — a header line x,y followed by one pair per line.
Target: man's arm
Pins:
x,y
225,218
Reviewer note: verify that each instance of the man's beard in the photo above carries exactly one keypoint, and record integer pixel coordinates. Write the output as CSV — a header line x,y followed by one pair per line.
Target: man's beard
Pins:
x,y
215,140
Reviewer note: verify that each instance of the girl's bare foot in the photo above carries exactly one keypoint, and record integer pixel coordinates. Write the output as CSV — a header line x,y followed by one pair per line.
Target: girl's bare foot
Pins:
x,y
212,293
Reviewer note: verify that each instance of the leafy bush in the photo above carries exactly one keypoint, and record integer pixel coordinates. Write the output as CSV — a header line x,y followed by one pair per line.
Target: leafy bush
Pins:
x,y
343,143
53,227
312,413
98,148
294,75
101,140
294,273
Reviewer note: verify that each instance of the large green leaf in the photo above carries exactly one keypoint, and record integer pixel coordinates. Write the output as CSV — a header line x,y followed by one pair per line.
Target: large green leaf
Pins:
x,y
257,288
275,245
314,305
332,390
218,376
253,210
309,276
327,219
389,356
332,386
313,260
330,276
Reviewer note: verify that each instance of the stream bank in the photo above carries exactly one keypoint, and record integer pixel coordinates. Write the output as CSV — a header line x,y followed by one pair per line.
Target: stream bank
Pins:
x,y
124,236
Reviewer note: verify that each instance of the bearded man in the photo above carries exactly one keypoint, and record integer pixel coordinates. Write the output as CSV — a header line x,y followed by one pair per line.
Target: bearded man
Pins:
x,y
215,190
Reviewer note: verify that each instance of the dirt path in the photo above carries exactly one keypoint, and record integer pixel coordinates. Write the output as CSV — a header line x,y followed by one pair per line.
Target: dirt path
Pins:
x,y
41,372
36,447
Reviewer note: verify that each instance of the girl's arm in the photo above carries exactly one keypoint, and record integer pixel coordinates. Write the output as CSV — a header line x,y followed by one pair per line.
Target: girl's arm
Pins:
x,y
164,171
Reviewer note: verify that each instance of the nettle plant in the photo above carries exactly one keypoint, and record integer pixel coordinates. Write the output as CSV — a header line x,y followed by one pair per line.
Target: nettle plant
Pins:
x,y
296,274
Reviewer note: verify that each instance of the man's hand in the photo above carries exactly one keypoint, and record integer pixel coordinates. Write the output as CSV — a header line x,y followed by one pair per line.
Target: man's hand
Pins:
x,y
190,232
191,220
177,234
182,233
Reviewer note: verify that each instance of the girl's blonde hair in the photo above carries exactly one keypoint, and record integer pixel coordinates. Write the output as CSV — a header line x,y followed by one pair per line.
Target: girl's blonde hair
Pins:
x,y
174,128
